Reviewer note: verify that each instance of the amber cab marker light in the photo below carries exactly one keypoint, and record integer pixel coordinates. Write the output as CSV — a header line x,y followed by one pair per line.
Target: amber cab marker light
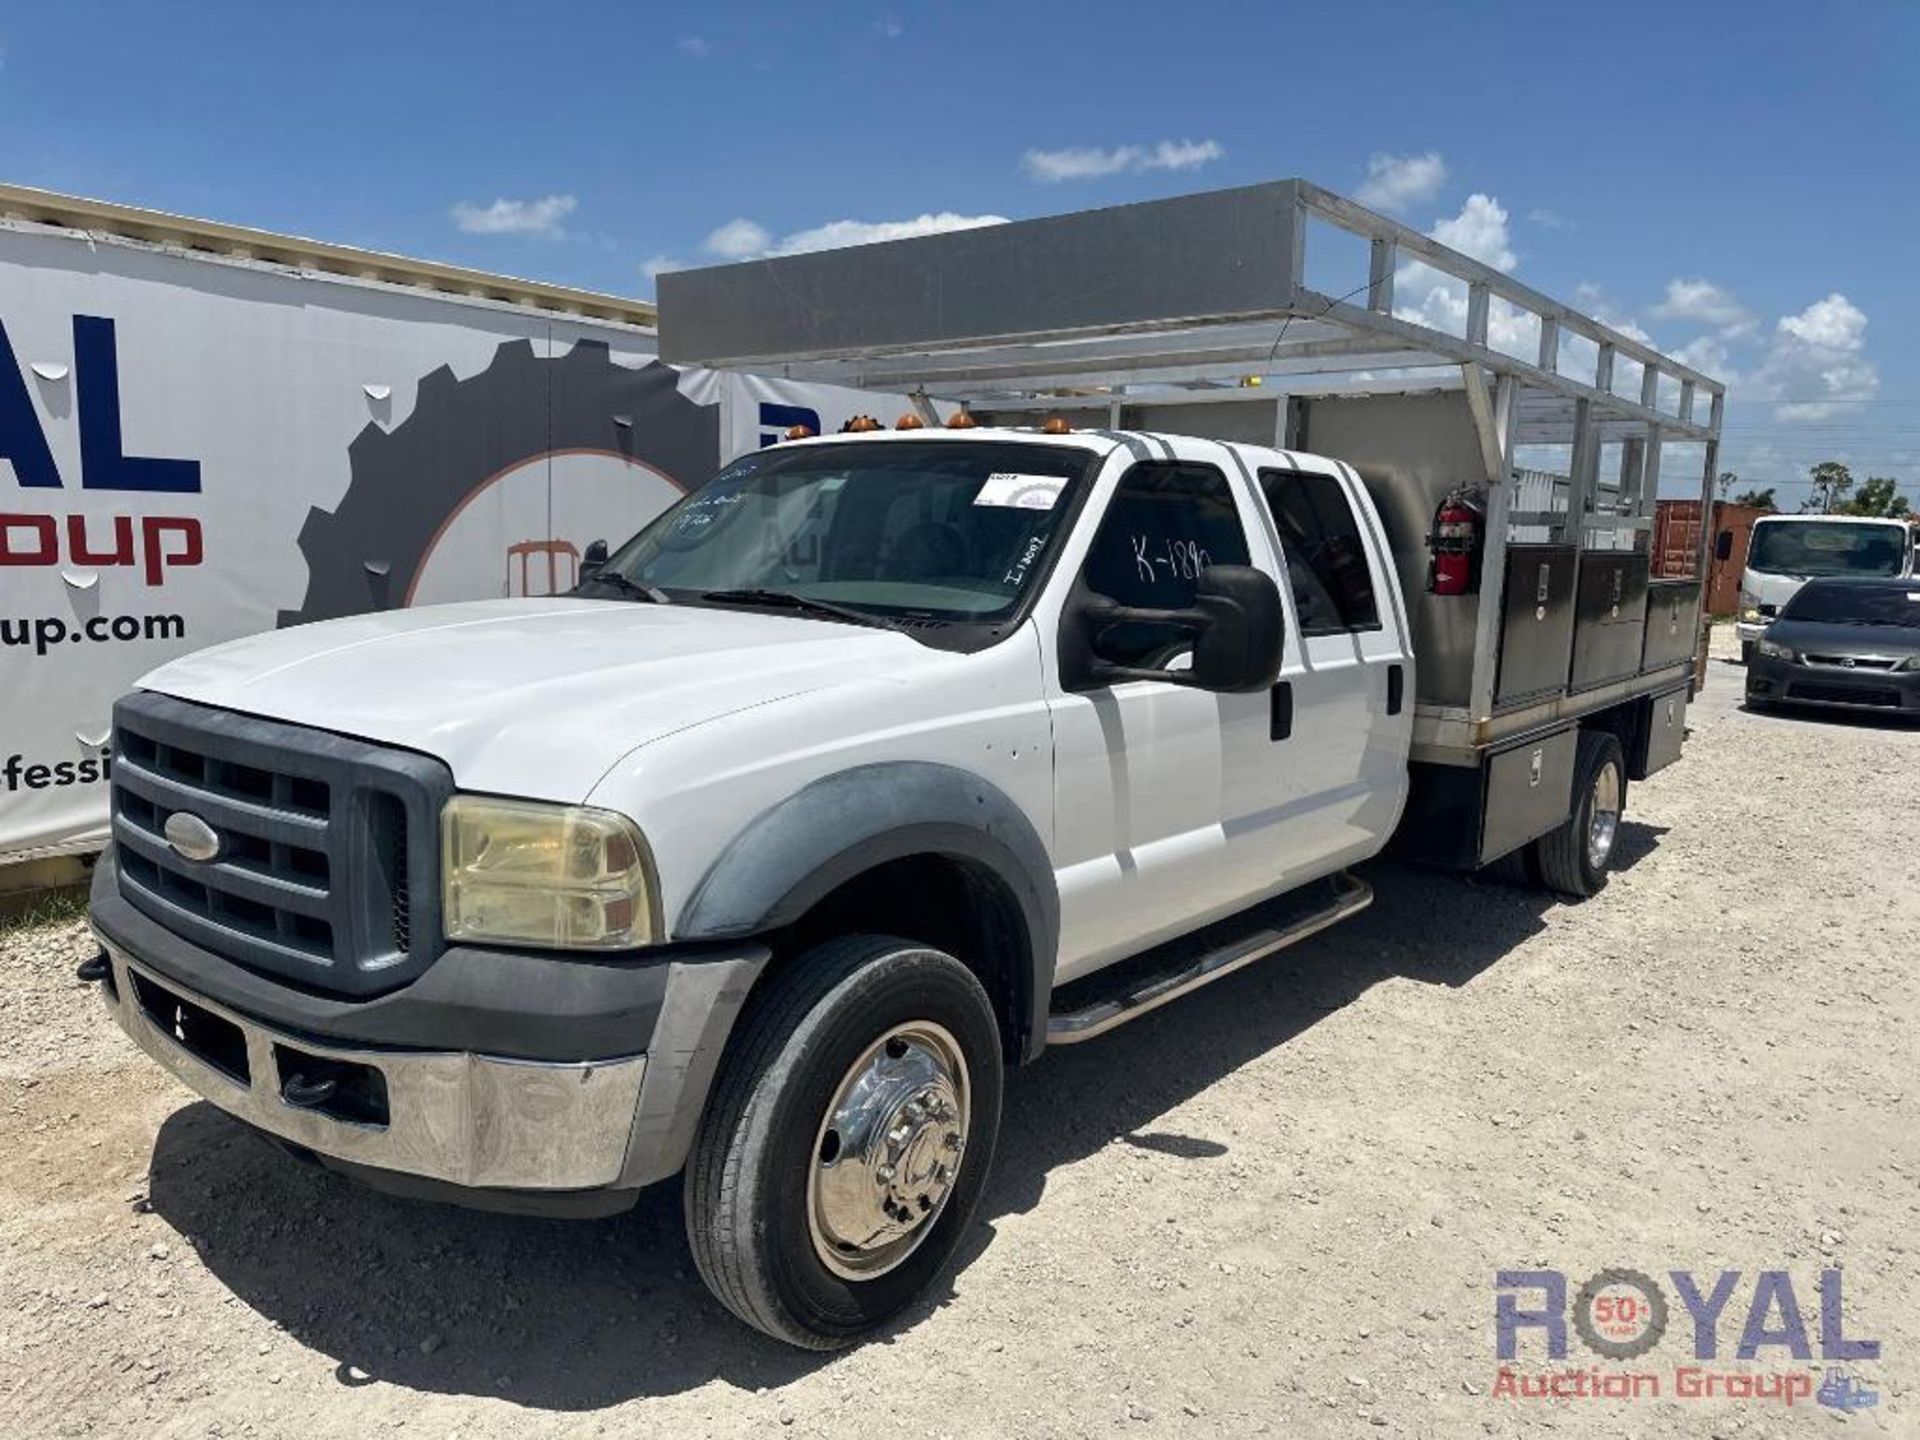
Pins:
x,y
1056,425
861,424
800,432
909,421
961,420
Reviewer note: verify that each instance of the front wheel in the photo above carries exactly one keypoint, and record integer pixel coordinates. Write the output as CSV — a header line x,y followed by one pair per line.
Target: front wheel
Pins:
x,y
1573,859
847,1139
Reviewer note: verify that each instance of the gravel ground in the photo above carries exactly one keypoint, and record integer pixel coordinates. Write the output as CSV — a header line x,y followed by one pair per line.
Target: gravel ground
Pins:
x,y
1276,1208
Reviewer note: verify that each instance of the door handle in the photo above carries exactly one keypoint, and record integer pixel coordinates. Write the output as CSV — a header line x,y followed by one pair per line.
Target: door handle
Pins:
x,y
1280,711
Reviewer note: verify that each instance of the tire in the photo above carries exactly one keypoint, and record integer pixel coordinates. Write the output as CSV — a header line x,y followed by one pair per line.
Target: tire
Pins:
x,y
760,1186
1573,859
1514,868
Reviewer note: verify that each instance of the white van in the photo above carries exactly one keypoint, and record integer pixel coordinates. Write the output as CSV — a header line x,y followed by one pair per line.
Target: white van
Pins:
x,y
1786,551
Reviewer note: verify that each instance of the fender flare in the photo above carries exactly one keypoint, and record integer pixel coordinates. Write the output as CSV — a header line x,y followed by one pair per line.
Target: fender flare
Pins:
x,y
802,849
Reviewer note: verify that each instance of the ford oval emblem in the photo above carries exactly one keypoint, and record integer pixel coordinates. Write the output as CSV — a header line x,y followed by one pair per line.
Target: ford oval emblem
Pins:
x,y
191,837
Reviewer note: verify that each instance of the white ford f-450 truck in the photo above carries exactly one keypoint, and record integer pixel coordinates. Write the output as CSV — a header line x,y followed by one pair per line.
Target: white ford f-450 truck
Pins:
x,y
876,765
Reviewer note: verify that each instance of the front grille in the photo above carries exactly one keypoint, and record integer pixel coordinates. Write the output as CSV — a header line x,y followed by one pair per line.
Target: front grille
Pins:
x,y
1852,662
1844,694
327,867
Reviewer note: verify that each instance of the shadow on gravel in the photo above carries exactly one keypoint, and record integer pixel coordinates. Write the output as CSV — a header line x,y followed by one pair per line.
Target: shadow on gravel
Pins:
x,y
579,1315
1896,721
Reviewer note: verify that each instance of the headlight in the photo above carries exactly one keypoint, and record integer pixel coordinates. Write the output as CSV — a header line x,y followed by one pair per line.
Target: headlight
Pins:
x,y
524,873
1750,613
1776,650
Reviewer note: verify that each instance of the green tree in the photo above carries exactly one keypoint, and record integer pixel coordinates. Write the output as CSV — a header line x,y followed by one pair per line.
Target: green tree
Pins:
x,y
1760,499
1832,483
1724,482
1878,495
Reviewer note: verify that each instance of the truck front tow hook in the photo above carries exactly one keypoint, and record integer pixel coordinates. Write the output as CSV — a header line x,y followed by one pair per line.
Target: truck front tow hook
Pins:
x,y
297,1090
88,972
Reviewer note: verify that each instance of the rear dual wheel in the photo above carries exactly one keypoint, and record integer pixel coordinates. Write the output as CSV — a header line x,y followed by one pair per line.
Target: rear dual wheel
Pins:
x,y
847,1140
1574,859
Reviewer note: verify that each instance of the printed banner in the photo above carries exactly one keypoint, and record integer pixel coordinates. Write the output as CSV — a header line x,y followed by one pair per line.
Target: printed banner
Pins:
x,y
193,450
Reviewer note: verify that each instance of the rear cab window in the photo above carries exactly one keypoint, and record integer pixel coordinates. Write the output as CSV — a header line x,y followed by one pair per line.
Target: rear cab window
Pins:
x,y
1335,588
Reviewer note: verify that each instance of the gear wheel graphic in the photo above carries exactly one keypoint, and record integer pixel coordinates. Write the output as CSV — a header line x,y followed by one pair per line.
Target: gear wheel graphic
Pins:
x,y
1649,1290
363,554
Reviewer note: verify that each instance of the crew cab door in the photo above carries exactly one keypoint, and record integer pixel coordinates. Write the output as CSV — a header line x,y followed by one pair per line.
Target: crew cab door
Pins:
x,y
1345,696
1159,801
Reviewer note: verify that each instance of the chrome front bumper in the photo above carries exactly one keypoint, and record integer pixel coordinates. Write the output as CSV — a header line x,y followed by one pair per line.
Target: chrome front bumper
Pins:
x,y
473,1120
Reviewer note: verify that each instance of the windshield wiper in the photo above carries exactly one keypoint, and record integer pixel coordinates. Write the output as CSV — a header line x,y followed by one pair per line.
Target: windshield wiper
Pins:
x,y
626,586
788,600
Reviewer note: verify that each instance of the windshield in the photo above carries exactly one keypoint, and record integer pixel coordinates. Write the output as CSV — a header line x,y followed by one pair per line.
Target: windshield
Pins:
x,y
1857,605
1786,547
940,530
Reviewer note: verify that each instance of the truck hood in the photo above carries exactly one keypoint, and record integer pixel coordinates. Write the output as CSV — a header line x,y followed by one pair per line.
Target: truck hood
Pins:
x,y
530,697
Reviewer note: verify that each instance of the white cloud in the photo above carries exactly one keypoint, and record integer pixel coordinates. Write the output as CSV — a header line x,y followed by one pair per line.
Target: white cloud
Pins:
x,y
837,233
1549,219
1814,366
746,240
1706,302
1426,296
1090,162
1834,323
1479,230
659,265
890,27
695,46
515,217
1396,181
1709,355
739,240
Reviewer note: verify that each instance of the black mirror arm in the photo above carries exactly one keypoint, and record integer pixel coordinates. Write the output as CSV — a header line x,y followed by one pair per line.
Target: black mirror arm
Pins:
x,y
1105,674
1109,614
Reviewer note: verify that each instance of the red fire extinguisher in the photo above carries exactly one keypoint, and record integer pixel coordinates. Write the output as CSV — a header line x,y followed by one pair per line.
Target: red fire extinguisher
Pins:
x,y
1455,543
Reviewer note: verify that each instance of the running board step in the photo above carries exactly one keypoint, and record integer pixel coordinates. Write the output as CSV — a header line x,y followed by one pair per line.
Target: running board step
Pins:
x,y
1222,948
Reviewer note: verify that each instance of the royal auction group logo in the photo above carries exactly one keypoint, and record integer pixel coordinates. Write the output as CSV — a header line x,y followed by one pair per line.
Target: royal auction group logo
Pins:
x,y
1794,1356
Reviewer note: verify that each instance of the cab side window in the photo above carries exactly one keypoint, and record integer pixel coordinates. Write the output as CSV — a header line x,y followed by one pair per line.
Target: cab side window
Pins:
x,y
1333,588
1166,523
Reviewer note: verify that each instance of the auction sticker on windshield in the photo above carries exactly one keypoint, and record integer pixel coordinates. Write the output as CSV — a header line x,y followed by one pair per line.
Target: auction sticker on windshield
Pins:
x,y
1020,492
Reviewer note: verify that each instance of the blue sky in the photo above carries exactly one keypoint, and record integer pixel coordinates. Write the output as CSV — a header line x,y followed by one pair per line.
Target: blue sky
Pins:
x,y
1740,182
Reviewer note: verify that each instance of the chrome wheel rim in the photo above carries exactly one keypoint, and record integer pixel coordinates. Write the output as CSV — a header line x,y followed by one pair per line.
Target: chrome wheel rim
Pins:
x,y
1603,816
888,1151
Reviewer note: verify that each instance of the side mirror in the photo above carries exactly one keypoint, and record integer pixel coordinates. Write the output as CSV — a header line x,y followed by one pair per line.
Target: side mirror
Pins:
x,y
594,560
1238,628
1723,545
